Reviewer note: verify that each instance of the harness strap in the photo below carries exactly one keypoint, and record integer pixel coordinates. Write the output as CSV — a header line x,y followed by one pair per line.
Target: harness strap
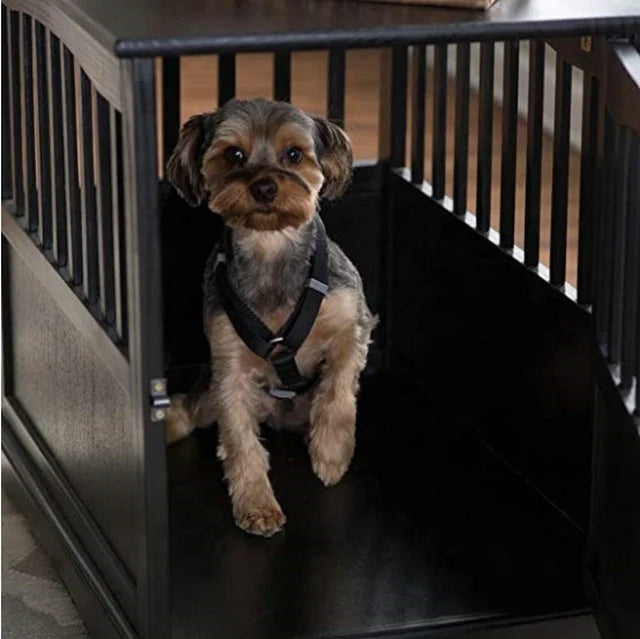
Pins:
x,y
280,349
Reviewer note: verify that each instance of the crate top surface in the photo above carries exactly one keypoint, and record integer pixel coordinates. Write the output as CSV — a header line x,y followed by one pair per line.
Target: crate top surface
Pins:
x,y
135,28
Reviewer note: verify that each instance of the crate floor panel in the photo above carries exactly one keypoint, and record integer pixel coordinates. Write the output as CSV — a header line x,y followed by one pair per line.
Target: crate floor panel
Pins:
x,y
427,528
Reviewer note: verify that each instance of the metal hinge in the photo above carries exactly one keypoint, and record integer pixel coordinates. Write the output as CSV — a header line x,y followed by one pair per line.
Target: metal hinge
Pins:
x,y
160,401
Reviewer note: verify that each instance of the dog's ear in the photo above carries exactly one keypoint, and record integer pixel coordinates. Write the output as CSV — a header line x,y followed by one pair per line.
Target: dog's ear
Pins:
x,y
335,154
183,167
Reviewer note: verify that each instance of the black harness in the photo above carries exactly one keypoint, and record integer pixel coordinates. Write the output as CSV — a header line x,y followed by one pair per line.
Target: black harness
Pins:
x,y
279,349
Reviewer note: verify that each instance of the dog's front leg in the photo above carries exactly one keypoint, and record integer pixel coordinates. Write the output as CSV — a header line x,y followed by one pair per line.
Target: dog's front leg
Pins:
x,y
244,459
333,411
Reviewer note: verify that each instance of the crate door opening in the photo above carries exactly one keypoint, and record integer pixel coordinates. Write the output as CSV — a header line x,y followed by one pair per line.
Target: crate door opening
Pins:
x,y
427,525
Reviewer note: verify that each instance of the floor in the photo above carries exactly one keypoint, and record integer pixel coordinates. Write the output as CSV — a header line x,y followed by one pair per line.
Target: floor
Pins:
x,y
34,603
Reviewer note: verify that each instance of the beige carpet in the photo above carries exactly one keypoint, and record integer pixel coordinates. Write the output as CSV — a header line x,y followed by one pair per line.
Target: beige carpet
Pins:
x,y
35,604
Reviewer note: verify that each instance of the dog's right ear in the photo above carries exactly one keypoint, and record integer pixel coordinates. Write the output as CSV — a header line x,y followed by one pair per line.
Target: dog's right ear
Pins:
x,y
185,163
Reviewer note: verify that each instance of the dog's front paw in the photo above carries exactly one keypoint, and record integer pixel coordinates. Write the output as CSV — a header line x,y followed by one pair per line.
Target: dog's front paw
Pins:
x,y
264,519
179,423
330,468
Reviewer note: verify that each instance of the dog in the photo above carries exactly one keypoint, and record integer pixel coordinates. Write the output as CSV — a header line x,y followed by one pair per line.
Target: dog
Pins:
x,y
264,166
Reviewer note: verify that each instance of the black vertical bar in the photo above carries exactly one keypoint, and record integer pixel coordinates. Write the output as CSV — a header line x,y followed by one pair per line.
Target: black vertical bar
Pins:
x,y
588,190
439,148
399,70
485,137
226,77
44,140
7,158
534,154
119,245
418,113
509,144
15,69
605,232
70,162
336,82
560,186
88,199
631,301
59,212
7,332
618,257
282,76
461,150
104,198
28,127
170,105
146,340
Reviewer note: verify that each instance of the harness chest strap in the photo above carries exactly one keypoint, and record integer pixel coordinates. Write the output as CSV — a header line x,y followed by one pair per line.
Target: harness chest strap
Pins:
x,y
279,349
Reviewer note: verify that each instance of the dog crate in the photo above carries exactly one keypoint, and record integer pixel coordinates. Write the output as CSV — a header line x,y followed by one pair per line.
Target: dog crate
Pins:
x,y
495,490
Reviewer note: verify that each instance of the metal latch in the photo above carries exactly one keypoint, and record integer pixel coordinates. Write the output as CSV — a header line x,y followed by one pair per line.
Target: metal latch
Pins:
x,y
160,401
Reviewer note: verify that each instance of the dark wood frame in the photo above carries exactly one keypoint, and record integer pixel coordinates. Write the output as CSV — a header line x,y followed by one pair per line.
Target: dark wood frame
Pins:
x,y
119,600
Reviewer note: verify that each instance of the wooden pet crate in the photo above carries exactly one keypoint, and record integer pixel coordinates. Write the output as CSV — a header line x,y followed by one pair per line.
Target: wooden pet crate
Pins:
x,y
495,490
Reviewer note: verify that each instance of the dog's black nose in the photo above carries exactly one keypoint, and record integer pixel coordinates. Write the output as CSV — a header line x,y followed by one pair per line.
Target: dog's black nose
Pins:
x,y
264,190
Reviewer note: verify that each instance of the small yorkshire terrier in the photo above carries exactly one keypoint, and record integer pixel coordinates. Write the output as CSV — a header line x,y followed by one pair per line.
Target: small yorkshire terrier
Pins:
x,y
284,308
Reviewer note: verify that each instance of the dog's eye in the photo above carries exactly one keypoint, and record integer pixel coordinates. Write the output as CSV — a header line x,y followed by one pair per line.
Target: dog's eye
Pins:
x,y
293,155
234,155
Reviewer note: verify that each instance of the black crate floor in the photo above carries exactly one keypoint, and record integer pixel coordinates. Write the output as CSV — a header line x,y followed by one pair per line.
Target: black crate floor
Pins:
x,y
428,528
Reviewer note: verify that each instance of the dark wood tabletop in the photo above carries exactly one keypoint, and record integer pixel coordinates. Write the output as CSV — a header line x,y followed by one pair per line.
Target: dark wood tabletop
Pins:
x,y
173,27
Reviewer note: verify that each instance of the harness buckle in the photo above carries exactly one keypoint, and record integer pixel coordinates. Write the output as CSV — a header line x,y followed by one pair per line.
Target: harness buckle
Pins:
x,y
282,393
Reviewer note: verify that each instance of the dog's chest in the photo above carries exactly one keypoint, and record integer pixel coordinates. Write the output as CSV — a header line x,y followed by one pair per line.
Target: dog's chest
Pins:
x,y
336,317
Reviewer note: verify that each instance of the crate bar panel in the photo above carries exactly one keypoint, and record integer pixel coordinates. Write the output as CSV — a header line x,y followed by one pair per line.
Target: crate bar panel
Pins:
x,y
282,77
104,209
419,84
393,106
461,149
70,161
119,239
588,187
560,185
226,78
88,194
15,69
398,124
7,157
170,105
621,181
631,299
534,154
485,137
27,125
439,138
509,144
59,169
605,232
336,82
45,224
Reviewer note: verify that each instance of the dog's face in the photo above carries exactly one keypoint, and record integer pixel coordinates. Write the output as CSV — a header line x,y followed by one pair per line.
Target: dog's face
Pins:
x,y
259,164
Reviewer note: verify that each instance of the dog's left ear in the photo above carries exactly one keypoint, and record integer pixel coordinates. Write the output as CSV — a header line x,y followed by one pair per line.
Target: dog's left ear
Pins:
x,y
335,154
